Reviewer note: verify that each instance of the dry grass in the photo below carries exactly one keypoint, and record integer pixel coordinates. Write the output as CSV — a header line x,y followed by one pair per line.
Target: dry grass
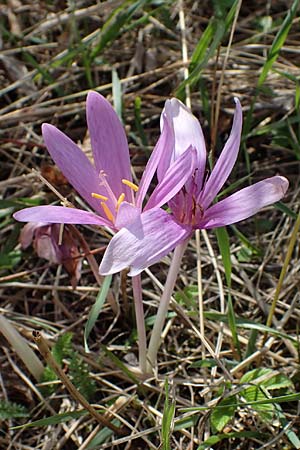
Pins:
x,y
47,67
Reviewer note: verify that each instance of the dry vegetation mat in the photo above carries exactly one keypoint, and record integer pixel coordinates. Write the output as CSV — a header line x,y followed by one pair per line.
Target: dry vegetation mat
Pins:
x,y
188,337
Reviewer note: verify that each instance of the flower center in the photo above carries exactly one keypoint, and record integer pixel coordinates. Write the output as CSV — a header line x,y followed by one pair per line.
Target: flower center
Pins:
x,y
186,206
110,214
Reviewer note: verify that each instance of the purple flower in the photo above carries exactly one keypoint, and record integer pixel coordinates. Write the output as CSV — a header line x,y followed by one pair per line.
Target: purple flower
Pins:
x,y
45,238
107,185
144,242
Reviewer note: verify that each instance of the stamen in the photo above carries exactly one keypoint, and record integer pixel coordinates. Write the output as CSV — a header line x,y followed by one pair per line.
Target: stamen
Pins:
x,y
107,211
120,200
103,182
99,196
132,186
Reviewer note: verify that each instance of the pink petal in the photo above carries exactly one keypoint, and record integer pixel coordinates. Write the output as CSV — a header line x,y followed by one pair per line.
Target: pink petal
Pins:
x,y
27,233
59,214
46,243
174,179
226,161
109,143
74,164
245,203
188,133
143,243
127,213
160,155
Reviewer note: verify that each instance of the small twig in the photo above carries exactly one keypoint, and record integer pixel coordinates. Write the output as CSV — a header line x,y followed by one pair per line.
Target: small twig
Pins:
x,y
45,352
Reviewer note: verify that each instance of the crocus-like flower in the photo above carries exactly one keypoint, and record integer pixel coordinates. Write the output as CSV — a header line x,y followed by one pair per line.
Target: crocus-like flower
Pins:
x,y
46,242
143,242
107,185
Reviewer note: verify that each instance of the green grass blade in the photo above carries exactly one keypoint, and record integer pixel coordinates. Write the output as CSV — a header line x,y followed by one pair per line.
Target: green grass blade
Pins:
x,y
278,43
233,326
53,420
273,400
224,246
248,324
167,420
96,309
115,23
138,121
211,39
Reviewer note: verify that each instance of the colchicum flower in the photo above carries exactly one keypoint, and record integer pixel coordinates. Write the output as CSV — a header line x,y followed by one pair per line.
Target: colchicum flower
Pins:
x,y
107,185
143,242
45,238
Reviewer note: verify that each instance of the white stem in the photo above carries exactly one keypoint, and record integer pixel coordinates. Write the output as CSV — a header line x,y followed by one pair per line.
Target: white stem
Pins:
x,y
140,321
164,304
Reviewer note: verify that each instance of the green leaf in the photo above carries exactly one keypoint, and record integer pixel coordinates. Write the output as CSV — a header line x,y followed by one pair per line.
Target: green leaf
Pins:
x,y
255,396
221,416
210,40
273,380
115,23
167,420
224,246
278,42
96,309
233,326
63,347
80,375
53,420
10,260
285,209
186,422
212,440
138,121
260,391
103,435
248,324
9,410
274,400
120,365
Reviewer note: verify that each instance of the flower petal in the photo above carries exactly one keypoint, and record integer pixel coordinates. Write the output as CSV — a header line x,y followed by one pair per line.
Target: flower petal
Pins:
x,y
46,243
109,143
27,233
127,213
226,161
74,164
245,203
160,155
59,214
188,133
175,177
143,243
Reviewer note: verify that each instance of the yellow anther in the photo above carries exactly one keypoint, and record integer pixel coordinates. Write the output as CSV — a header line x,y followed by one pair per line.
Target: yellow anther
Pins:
x,y
120,200
132,186
99,196
107,211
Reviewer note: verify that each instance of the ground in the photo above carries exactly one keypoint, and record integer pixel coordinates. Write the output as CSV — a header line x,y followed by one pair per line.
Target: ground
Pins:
x,y
216,357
